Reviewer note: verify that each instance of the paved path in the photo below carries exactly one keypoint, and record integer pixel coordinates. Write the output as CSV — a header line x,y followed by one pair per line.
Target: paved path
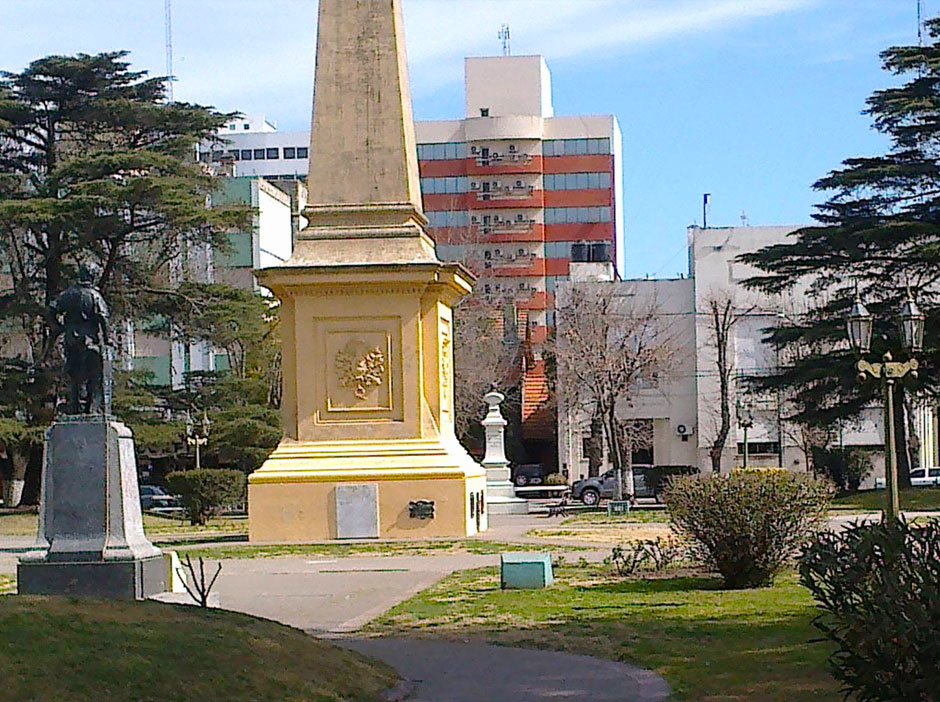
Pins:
x,y
470,672
323,595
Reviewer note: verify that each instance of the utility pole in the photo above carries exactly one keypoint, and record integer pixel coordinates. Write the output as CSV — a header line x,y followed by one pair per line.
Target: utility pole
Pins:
x,y
168,27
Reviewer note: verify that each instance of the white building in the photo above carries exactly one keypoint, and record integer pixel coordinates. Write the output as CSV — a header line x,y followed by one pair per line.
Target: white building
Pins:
x,y
684,408
268,242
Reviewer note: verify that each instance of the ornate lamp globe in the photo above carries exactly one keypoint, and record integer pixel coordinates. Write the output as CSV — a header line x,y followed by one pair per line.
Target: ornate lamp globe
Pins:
x,y
912,324
858,324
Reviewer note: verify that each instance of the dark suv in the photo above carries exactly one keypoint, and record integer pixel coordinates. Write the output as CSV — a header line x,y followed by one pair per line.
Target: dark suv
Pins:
x,y
648,481
528,474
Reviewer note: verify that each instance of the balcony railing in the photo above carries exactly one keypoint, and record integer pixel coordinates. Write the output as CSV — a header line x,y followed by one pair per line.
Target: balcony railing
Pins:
x,y
504,159
507,225
509,192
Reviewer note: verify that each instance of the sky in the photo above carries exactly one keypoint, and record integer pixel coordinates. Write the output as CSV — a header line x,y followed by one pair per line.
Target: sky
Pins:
x,y
749,100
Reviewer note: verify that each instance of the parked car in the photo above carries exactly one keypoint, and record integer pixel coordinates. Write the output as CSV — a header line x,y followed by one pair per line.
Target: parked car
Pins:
x,y
528,474
154,497
920,477
648,481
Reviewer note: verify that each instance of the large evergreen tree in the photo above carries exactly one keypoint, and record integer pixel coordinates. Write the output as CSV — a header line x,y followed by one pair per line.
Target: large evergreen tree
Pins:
x,y
877,231
94,165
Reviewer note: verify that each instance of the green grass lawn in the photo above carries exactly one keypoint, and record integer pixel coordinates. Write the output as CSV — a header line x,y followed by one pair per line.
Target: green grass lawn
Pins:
x,y
86,650
915,499
159,528
714,645
371,548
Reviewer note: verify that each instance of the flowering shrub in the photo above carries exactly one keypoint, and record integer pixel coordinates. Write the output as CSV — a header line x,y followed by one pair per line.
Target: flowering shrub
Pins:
x,y
749,524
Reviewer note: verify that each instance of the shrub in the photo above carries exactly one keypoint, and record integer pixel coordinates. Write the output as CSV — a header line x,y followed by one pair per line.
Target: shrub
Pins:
x,y
846,467
658,554
556,479
749,524
206,490
879,588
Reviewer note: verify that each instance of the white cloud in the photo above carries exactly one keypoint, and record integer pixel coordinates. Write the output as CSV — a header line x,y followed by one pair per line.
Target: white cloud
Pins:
x,y
440,34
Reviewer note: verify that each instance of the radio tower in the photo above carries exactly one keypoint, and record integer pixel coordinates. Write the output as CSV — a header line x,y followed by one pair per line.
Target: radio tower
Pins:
x,y
503,34
168,23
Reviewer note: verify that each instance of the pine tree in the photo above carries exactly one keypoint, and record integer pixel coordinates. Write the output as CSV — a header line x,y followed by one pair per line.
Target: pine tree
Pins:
x,y
94,165
878,232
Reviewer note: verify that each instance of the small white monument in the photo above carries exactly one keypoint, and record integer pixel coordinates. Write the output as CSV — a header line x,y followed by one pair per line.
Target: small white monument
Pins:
x,y
500,494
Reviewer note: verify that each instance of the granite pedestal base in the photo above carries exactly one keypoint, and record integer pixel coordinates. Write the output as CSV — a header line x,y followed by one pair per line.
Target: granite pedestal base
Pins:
x,y
120,580
91,540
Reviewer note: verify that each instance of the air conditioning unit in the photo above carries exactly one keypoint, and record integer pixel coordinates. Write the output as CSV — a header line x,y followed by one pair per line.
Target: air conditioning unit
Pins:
x,y
512,148
474,186
684,430
473,149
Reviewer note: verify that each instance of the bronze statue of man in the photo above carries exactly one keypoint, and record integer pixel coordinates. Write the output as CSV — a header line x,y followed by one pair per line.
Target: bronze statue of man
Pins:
x,y
81,314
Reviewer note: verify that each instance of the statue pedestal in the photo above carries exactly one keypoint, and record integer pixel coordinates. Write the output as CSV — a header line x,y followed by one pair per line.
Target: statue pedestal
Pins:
x,y
500,493
91,532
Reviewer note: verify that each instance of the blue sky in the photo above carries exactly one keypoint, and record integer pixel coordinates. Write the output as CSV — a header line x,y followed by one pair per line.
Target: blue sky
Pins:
x,y
750,100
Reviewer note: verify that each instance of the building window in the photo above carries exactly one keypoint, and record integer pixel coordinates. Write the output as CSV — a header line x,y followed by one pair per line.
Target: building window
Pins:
x,y
484,112
246,126
575,147
259,154
577,181
272,153
231,127
301,152
447,218
246,154
576,215
445,186
234,153
290,152
759,448
442,152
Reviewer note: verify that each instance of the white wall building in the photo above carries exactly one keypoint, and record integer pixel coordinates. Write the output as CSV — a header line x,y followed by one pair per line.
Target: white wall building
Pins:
x,y
684,409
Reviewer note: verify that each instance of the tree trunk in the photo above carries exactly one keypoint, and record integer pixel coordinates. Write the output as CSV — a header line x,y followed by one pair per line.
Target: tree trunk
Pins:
x,y
596,445
13,488
613,443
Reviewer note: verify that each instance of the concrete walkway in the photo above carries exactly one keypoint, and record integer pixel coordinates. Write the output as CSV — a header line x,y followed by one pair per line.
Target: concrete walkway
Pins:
x,y
441,671
331,596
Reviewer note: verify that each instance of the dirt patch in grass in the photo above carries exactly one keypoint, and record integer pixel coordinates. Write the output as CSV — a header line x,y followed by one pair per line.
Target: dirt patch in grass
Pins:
x,y
602,533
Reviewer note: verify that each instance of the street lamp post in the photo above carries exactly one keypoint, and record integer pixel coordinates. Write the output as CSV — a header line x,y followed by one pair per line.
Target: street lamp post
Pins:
x,y
746,421
889,371
197,436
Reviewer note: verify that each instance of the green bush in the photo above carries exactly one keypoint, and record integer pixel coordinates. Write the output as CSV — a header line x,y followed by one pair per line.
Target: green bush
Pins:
x,y
879,588
845,467
206,490
556,479
749,524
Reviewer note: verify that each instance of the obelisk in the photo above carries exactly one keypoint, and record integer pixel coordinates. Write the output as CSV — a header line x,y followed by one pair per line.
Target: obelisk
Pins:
x,y
369,449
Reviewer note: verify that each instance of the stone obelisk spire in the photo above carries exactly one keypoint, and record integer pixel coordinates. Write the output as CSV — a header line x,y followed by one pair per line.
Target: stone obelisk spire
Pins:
x,y
363,181
367,328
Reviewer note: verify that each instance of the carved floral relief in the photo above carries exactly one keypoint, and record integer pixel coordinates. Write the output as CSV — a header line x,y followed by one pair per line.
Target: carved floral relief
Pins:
x,y
360,367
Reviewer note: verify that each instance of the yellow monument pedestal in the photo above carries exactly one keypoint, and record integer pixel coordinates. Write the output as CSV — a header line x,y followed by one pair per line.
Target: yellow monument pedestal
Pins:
x,y
369,449
368,383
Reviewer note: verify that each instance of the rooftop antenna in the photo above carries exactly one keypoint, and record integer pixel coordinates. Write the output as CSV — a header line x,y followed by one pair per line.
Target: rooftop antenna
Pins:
x,y
705,197
744,219
920,22
168,25
504,35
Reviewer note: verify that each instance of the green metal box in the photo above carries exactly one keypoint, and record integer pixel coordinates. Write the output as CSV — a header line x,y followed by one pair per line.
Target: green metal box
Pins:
x,y
615,507
526,570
